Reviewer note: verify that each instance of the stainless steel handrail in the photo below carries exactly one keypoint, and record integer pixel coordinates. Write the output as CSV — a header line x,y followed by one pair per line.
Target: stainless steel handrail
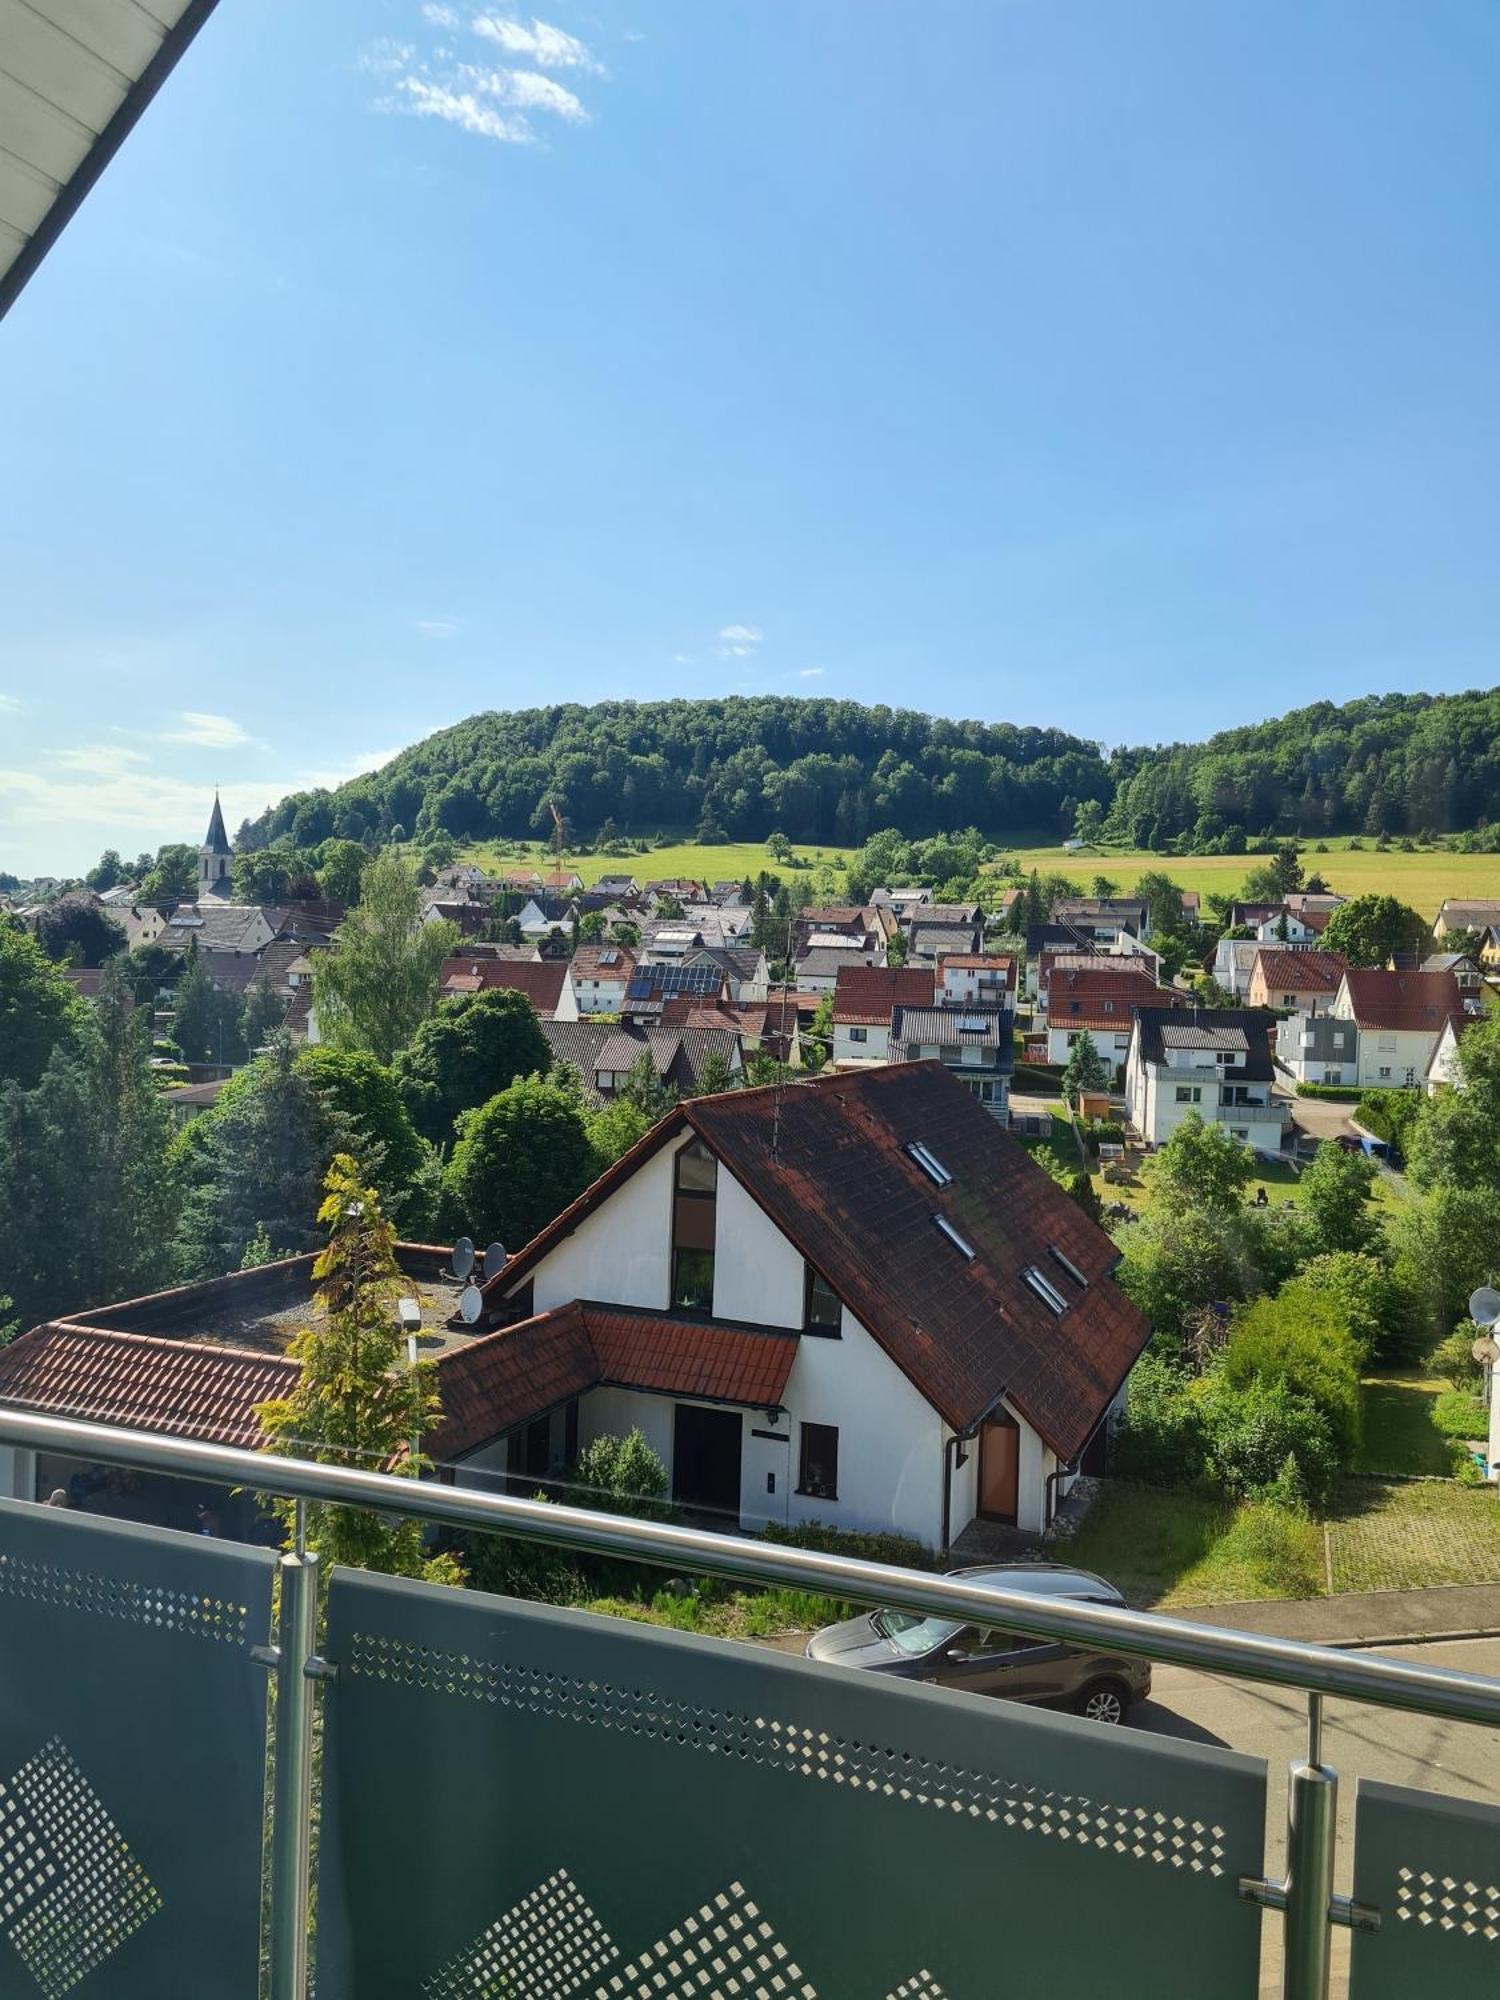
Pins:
x,y
1172,1641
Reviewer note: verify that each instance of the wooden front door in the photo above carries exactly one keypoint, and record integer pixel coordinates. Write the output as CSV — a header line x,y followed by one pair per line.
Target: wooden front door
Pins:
x,y
999,1468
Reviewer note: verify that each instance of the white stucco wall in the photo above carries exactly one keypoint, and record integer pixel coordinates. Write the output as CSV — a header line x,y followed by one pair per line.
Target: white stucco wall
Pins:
x,y
622,1252
758,1274
876,1046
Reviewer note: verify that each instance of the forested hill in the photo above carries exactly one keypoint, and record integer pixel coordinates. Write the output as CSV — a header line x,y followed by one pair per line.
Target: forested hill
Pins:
x,y
817,770
834,771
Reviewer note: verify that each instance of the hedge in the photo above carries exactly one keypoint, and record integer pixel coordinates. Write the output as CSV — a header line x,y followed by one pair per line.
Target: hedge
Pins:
x,y
1038,1080
1341,1093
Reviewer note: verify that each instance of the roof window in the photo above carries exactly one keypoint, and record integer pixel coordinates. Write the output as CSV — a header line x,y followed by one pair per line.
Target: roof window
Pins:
x,y
1068,1265
966,1249
929,1162
1045,1290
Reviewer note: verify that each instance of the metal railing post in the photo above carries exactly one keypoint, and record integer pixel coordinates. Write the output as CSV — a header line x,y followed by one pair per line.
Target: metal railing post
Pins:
x,y
291,1817
1312,1816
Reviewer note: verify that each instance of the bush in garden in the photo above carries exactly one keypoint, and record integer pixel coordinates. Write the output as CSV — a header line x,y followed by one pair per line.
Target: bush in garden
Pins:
x,y
1303,1341
1160,1440
1253,1431
1457,1414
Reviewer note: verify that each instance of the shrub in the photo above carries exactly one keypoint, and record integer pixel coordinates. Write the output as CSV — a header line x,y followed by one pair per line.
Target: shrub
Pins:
x,y
1453,1359
1389,1114
1161,1439
1460,1415
620,1475
1266,1441
1340,1093
899,1550
1302,1340
1102,1131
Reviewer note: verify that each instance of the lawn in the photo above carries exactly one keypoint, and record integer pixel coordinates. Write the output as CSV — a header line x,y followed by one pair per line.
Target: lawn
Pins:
x,y
734,860
1399,1434
1422,880
1169,1549
1407,1535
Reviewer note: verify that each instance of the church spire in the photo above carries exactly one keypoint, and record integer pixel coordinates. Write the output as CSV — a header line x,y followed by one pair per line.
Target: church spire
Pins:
x,y
214,856
216,840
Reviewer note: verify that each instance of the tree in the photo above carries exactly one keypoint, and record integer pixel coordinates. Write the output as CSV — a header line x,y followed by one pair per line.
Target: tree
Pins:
x,y
173,877
108,874
620,1475
1085,1070
1201,1167
273,875
715,1076
75,931
1368,929
650,1093
263,1013
257,1160
1088,822
1103,886
1300,1338
1382,1317
358,1400
1444,1246
471,1048
1336,1190
341,867
817,1040
207,1025
362,1096
519,1161
39,1011
1174,1265
380,980
1454,1136
152,968
1274,880
614,1129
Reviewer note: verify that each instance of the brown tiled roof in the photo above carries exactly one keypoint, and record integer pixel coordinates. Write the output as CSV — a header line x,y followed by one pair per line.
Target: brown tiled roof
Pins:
x,y
1066,972
541,980
1410,1000
503,1379
1112,1009
1301,971
587,962
842,1188
866,994
144,1382
978,961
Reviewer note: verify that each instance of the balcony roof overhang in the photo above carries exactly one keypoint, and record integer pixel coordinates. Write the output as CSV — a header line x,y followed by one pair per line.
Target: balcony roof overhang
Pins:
x,y
75,75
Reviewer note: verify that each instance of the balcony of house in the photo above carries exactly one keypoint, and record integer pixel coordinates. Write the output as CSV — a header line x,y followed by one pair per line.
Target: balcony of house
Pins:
x,y
506,1797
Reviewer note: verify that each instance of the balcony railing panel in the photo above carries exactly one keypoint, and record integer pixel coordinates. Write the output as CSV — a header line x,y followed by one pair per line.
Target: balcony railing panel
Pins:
x,y
1431,1867
520,1799
132,1758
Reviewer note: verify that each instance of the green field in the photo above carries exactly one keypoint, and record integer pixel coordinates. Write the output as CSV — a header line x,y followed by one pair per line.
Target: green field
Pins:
x,y
1422,880
735,859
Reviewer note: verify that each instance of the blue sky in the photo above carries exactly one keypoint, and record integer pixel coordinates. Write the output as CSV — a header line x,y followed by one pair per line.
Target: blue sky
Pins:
x,y
1127,367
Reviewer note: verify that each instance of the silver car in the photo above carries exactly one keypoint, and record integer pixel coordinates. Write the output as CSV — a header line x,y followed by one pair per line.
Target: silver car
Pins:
x,y
1101,1685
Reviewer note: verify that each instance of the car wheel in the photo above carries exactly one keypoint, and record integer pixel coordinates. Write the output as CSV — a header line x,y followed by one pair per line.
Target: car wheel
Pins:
x,y
1103,1701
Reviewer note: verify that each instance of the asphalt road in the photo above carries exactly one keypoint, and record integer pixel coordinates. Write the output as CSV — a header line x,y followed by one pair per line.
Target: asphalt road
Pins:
x,y
1454,1757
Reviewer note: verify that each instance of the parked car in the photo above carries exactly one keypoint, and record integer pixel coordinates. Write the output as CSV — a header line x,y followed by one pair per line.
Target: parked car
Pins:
x,y
1099,1684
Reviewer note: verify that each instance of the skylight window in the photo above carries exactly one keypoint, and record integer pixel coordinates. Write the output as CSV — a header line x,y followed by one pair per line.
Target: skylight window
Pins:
x,y
609,958
1068,1265
1045,1290
973,1024
964,1248
930,1164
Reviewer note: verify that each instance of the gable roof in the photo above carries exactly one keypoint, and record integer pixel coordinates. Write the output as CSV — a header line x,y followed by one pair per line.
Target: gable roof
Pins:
x,y
1403,1000
1241,1032
827,1161
613,962
972,1027
216,839
866,995
540,979
1301,971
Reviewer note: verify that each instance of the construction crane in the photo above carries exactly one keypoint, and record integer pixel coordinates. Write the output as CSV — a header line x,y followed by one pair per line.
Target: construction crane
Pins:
x,y
559,830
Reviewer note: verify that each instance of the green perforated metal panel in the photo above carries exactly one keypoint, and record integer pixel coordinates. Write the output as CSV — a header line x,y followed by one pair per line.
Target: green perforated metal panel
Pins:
x,y
132,1759
529,1802
1431,1866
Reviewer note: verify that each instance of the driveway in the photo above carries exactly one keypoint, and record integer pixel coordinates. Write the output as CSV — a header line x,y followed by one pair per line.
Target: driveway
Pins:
x,y
1314,1117
1460,1758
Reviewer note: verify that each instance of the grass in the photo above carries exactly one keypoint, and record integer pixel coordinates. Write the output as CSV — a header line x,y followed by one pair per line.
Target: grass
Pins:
x,y
1388,1536
1168,1549
735,859
1422,879
1399,1434
727,1614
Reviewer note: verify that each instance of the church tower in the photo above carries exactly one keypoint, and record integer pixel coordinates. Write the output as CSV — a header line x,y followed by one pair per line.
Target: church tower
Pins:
x,y
214,857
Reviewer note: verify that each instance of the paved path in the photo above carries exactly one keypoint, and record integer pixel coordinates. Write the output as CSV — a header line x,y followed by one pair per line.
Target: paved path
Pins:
x,y
1366,1618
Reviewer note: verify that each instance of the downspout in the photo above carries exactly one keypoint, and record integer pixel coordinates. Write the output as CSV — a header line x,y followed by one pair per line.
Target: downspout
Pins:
x,y
954,1445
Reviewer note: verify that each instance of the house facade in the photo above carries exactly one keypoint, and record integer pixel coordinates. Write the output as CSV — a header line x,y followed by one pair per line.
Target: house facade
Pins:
x,y
1216,1063
975,1044
597,979
1318,1048
1400,1016
1298,982
1102,1006
977,979
865,999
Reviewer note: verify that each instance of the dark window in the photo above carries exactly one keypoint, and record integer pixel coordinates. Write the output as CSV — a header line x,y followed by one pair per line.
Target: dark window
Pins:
x,y
570,1432
693,1229
819,1479
821,1306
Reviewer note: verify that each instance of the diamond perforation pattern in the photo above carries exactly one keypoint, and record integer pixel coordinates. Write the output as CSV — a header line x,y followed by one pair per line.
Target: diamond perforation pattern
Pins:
x,y
922,1986
728,1950
71,1891
547,1947
1448,1903
183,1611
1139,1833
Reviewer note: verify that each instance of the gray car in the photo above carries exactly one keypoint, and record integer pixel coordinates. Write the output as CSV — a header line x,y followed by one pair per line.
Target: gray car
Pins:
x,y
1100,1685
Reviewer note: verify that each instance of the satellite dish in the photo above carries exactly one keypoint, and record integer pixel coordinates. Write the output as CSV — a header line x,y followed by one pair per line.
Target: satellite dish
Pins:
x,y
463,1256
1486,1352
494,1257
471,1304
1484,1306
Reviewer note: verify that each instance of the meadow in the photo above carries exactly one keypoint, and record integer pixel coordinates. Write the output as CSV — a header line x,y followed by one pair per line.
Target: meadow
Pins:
x,y
735,859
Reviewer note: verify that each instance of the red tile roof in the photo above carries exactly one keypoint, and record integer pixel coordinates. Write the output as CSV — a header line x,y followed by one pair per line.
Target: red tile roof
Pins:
x,y
1112,1009
1409,1000
145,1382
503,1379
866,994
541,980
1299,971
587,962
978,961
842,1188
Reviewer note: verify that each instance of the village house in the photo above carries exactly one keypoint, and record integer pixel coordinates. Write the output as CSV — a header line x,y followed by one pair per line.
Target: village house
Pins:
x,y
604,1053
653,986
746,970
1400,1016
977,979
1216,1062
1070,973
1100,1004
865,999
1104,919
1442,1067
595,981
854,1302
1464,966
541,980
1302,982
975,1044
1465,913
1318,1048
818,971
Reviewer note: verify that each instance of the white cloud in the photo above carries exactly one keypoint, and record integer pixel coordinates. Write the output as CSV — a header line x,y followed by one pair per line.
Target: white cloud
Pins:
x,y
487,102
207,732
809,673
98,760
11,704
682,659
739,642
552,47
435,628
